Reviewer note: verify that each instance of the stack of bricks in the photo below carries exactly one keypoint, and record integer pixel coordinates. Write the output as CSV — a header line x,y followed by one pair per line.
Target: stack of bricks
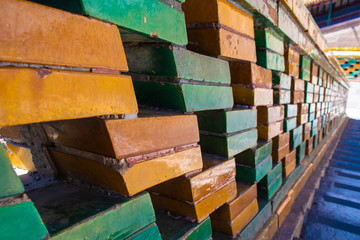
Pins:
x,y
232,112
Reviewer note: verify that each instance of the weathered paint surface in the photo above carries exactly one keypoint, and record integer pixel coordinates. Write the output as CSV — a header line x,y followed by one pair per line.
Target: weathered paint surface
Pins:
x,y
20,157
21,221
281,81
270,114
126,180
229,146
252,97
291,110
33,95
282,96
183,97
289,124
201,209
194,186
227,121
174,228
236,225
270,60
266,38
254,156
246,193
303,108
249,74
33,37
119,138
269,131
250,174
165,60
223,43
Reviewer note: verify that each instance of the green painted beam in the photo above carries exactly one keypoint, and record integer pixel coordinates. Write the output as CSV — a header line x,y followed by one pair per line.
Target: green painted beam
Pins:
x,y
270,60
300,152
281,80
291,110
250,174
183,97
10,182
71,212
150,232
268,193
266,38
174,227
271,177
296,133
289,124
311,117
228,146
295,143
305,62
166,60
227,121
254,156
140,20
21,221
304,74
313,132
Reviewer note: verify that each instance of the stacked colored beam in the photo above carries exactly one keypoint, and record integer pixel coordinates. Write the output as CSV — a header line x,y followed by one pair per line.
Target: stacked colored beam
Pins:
x,y
292,62
45,64
172,77
218,28
305,68
164,142
189,196
269,49
71,212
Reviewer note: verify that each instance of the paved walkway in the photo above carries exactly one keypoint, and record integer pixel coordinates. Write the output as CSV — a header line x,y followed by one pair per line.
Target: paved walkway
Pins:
x,y
335,213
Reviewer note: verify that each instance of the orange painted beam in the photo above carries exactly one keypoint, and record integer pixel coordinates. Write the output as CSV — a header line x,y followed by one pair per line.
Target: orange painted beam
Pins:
x,y
197,210
122,138
39,95
33,33
269,131
252,97
118,176
194,186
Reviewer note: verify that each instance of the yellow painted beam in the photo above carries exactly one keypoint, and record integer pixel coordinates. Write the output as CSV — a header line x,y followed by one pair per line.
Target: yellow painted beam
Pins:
x,y
39,95
20,157
33,33
198,210
124,179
